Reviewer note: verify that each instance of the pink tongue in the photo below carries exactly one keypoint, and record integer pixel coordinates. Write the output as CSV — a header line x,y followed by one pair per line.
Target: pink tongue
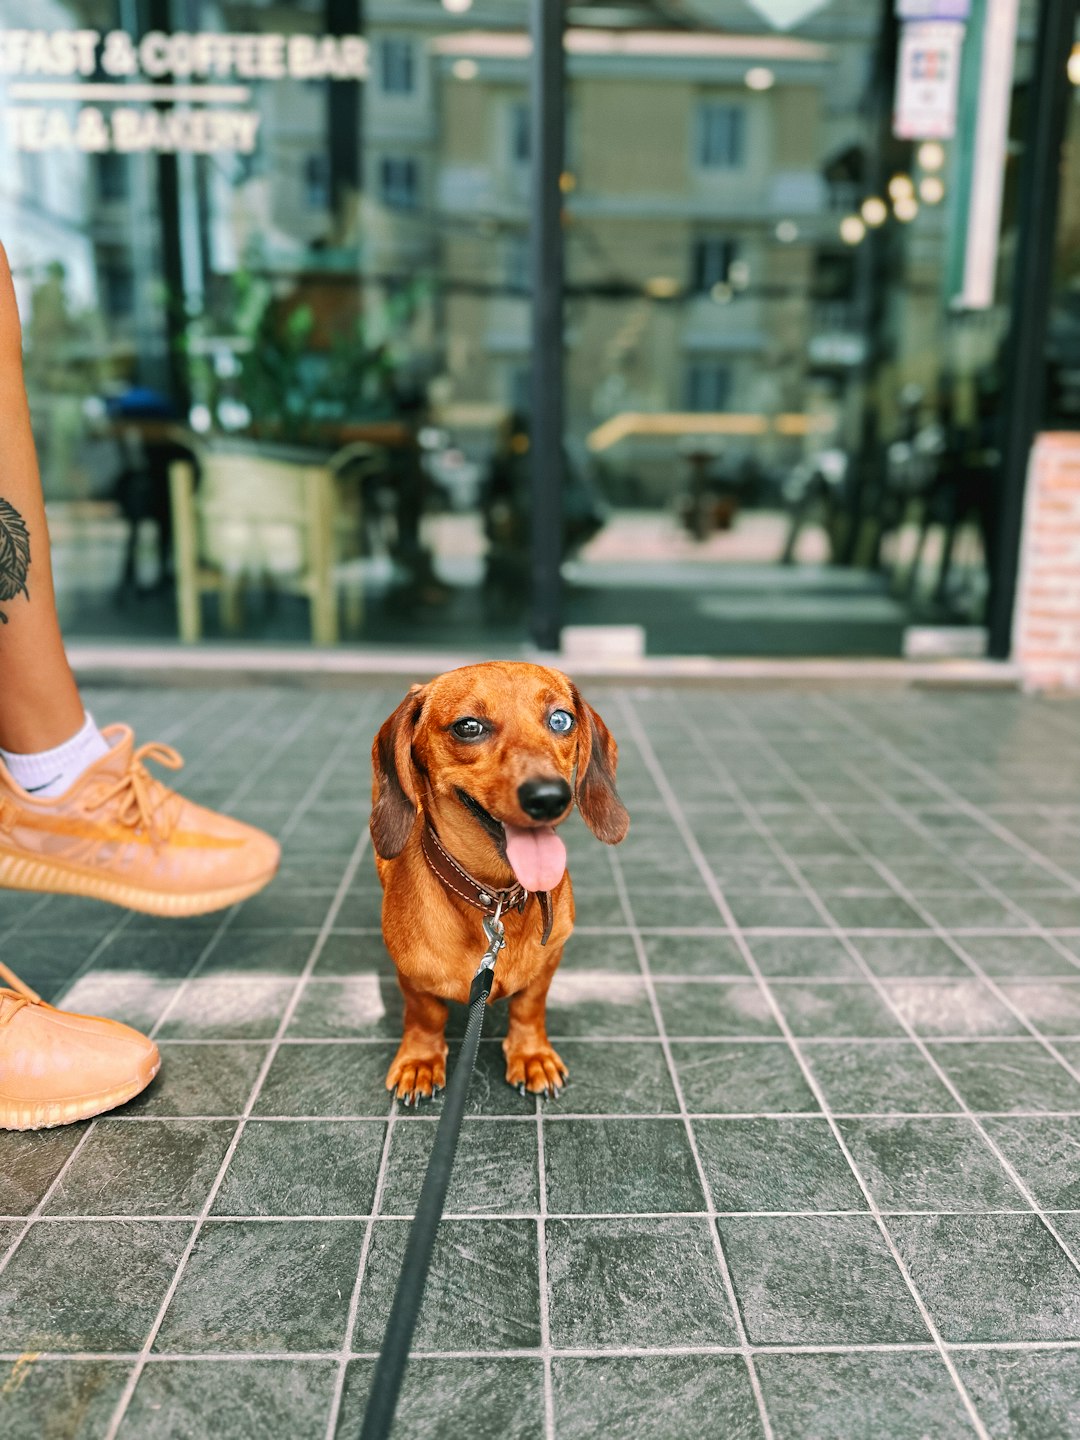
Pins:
x,y
537,857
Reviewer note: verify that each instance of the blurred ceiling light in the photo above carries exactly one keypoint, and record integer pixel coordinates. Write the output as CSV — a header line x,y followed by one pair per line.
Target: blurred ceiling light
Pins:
x,y
787,231
457,7
722,293
738,274
852,229
1074,65
662,287
874,211
760,77
906,207
567,182
931,155
465,69
932,189
899,186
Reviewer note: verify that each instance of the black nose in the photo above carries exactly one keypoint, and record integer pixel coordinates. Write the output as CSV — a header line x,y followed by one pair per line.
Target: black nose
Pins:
x,y
544,799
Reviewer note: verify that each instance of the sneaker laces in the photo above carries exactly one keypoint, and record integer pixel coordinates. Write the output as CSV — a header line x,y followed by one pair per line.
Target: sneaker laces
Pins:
x,y
8,1012
20,987
20,994
135,791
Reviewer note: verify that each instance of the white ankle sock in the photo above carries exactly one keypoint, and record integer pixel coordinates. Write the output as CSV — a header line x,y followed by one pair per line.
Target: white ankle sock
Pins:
x,y
49,773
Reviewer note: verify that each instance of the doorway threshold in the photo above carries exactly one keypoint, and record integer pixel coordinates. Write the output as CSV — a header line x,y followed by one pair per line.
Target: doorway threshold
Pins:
x,y
177,665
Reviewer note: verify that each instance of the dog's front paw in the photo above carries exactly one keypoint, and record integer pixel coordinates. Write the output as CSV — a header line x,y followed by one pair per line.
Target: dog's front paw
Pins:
x,y
535,1069
416,1076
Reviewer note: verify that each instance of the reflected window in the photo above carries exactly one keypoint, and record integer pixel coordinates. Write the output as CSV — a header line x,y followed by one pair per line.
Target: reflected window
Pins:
x,y
117,286
520,133
317,180
712,260
833,275
112,176
519,391
721,136
708,385
397,73
516,262
399,182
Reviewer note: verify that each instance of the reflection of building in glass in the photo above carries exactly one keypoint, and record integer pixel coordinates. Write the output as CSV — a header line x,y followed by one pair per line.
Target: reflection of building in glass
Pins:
x,y
707,175
677,177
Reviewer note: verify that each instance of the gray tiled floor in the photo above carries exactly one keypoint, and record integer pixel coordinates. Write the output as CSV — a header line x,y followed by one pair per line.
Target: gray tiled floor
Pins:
x,y
815,1175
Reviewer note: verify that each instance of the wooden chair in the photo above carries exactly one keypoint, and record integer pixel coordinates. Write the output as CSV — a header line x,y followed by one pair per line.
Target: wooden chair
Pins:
x,y
253,516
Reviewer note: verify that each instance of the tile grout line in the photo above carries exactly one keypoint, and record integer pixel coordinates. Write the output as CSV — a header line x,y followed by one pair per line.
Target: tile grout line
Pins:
x,y
673,977
1038,931
629,1114
479,1216
188,1042
243,1357
345,1353
302,722
335,905
714,1232
645,748
34,904
542,1274
956,800
1028,737
886,998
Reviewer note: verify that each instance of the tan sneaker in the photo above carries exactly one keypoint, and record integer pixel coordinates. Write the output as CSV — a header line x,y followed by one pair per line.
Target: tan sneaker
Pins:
x,y
56,1067
121,835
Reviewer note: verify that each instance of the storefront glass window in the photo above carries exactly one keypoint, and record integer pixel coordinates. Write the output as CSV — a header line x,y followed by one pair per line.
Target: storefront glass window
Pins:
x,y
1063,344
274,269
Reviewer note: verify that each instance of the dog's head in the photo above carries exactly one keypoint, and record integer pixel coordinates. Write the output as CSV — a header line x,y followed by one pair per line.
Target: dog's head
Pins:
x,y
505,748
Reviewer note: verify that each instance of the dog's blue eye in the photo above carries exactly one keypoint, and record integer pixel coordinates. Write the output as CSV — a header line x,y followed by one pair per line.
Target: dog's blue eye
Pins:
x,y
561,721
468,728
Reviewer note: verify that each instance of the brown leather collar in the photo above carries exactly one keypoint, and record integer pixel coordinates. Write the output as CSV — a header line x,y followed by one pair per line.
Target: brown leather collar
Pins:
x,y
457,879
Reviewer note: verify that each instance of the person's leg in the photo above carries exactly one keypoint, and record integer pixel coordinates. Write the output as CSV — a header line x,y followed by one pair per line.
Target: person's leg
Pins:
x,y
39,700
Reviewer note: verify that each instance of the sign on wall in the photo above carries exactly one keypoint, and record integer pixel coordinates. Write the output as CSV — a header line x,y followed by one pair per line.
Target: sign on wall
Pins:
x,y
185,91
928,80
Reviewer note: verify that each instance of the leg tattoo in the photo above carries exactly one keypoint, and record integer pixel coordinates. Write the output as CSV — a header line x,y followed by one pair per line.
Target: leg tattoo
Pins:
x,y
14,554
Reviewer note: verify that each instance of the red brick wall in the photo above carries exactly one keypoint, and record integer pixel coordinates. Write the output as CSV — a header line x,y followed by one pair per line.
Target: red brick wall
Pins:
x,y
1046,623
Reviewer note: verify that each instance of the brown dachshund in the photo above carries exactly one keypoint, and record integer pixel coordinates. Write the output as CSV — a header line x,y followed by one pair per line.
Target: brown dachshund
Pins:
x,y
472,773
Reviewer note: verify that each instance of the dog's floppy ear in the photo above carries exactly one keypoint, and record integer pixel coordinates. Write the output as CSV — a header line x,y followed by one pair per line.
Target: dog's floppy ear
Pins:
x,y
597,798
394,801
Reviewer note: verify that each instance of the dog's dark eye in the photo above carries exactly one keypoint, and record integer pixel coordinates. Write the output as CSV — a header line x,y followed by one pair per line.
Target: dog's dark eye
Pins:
x,y
561,721
468,728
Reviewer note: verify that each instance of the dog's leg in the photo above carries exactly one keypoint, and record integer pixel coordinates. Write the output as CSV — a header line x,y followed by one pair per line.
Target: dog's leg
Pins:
x,y
531,1064
419,1067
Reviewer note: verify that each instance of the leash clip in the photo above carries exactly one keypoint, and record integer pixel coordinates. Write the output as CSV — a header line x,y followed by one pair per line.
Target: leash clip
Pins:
x,y
493,929
485,971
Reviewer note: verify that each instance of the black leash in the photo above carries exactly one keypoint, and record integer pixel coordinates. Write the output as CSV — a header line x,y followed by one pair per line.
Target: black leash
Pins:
x,y
390,1369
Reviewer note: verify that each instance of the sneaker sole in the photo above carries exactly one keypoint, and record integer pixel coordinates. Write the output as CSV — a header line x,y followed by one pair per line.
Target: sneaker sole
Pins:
x,y
20,872
47,1115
